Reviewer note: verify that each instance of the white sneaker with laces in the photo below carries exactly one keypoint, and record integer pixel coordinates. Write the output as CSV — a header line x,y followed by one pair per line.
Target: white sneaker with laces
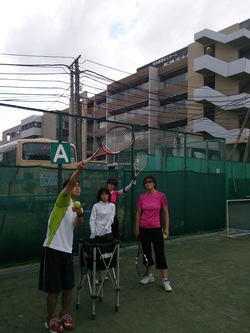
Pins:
x,y
166,285
148,279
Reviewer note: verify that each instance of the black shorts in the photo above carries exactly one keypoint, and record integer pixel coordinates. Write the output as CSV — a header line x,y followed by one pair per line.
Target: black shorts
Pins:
x,y
153,236
115,228
56,271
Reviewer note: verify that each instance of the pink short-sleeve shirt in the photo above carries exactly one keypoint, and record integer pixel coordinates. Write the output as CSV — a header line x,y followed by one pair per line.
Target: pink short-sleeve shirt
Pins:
x,y
151,205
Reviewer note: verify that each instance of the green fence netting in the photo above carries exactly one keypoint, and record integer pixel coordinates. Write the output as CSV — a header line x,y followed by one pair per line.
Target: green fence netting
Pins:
x,y
196,204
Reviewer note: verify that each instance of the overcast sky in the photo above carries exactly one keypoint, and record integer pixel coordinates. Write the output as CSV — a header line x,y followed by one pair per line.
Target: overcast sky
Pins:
x,y
122,34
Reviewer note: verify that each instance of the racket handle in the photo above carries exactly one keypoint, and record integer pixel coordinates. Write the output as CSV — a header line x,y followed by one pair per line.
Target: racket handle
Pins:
x,y
88,160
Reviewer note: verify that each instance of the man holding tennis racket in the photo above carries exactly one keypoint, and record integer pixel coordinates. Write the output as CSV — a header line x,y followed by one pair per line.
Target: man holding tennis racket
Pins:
x,y
57,269
148,226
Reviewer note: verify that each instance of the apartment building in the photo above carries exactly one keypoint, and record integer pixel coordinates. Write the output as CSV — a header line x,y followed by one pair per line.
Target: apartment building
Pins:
x,y
219,73
37,126
201,88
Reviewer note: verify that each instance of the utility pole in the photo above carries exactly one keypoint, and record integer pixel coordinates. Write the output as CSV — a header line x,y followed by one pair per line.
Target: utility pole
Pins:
x,y
75,107
71,108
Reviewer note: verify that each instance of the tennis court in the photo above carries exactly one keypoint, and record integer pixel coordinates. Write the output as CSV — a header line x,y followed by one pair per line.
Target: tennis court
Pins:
x,y
211,292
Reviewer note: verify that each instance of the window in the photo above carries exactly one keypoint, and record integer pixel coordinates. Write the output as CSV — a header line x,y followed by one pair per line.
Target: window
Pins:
x,y
65,124
173,81
209,112
172,107
30,125
8,157
209,50
209,81
36,151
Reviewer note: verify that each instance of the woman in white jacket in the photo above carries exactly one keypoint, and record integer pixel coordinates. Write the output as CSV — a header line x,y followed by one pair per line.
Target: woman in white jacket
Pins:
x,y
102,216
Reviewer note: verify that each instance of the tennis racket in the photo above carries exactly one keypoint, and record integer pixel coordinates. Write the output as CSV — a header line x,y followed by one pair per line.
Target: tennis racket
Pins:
x,y
141,261
140,163
116,140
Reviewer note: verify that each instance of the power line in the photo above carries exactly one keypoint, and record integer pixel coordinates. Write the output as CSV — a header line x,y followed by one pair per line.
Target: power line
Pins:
x,y
118,100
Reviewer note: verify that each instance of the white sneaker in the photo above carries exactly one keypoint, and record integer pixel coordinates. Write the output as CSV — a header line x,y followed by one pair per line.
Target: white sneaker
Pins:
x,y
148,279
97,281
166,285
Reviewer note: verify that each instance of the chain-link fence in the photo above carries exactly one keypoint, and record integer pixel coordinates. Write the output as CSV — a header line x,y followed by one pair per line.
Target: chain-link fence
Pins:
x,y
191,171
196,204
167,150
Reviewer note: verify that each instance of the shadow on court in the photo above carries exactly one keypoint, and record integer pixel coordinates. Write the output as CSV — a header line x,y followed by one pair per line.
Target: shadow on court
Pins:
x,y
211,292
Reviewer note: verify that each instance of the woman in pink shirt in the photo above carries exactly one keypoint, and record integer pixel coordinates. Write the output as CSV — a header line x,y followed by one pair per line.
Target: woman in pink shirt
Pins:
x,y
148,226
111,185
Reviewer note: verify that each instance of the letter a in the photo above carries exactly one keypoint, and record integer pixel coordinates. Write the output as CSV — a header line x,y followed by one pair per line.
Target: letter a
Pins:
x,y
60,153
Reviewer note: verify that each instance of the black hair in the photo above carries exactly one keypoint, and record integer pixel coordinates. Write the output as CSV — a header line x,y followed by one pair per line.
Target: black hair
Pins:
x,y
112,181
103,190
65,183
152,178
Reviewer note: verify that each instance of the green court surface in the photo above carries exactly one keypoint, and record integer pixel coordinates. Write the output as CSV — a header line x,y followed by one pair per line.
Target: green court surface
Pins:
x,y
209,275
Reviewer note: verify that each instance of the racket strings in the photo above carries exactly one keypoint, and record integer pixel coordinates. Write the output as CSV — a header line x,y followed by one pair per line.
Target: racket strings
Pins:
x,y
136,167
117,139
141,262
141,161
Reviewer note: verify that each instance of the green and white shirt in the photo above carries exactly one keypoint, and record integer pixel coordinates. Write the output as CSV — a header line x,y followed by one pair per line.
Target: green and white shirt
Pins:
x,y
61,225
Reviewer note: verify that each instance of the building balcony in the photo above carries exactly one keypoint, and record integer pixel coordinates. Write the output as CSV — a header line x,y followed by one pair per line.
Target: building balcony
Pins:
x,y
174,90
238,69
31,132
170,117
128,107
238,39
129,81
128,103
140,120
205,125
206,95
140,143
